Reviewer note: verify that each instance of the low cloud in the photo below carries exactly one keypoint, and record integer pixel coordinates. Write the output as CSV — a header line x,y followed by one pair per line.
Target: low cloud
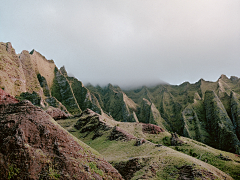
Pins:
x,y
129,42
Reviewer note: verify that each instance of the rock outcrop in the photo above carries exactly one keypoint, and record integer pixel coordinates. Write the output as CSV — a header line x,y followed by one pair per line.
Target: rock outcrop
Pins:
x,y
90,121
128,168
175,141
34,146
151,129
56,113
188,172
119,134
6,98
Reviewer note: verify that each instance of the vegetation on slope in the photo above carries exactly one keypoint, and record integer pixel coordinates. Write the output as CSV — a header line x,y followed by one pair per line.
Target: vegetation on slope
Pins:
x,y
188,109
154,159
62,91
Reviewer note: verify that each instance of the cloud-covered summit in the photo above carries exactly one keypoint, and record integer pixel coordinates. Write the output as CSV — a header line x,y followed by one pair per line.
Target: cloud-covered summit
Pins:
x,y
129,41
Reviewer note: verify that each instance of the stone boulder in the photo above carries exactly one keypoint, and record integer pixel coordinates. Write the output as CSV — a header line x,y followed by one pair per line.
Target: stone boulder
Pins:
x,y
151,129
56,113
175,141
140,141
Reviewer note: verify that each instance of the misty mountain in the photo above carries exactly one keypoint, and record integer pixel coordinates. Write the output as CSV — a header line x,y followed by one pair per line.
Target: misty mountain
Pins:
x,y
207,112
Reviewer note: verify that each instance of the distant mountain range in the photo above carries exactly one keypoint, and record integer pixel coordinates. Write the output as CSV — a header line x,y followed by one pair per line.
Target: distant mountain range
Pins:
x,y
208,112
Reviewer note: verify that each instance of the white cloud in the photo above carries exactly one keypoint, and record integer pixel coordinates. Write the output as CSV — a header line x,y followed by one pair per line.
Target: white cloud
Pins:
x,y
129,40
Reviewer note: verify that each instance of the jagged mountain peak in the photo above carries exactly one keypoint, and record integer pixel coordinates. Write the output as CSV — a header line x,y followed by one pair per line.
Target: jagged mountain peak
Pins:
x,y
234,78
32,51
64,71
197,110
185,83
223,76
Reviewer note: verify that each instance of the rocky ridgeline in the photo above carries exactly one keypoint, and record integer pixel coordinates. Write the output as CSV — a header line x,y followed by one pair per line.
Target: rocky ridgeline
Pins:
x,y
33,73
89,122
34,146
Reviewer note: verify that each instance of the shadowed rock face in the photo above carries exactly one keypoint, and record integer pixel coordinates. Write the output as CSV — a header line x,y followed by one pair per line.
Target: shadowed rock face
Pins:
x,y
90,121
33,146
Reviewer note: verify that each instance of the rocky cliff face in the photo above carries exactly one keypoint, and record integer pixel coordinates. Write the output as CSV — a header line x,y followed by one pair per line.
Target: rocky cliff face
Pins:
x,y
220,125
235,110
34,146
31,73
83,96
12,77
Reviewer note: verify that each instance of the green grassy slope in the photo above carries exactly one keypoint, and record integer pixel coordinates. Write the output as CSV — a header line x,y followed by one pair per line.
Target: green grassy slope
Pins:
x,y
152,162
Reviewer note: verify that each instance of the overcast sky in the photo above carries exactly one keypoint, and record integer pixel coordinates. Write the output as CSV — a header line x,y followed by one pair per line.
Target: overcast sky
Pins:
x,y
129,41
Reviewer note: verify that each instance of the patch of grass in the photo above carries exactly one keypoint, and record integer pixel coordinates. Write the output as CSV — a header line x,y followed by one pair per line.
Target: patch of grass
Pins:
x,y
164,159
13,171
211,156
53,173
169,172
161,138
93,166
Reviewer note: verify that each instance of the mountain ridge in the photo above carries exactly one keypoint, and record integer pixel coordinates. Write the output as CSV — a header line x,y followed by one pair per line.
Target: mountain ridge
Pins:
x,y
165,105
204,111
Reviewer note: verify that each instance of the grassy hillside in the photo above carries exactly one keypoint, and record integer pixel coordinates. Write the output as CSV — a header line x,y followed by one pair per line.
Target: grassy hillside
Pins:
x,y
155,158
